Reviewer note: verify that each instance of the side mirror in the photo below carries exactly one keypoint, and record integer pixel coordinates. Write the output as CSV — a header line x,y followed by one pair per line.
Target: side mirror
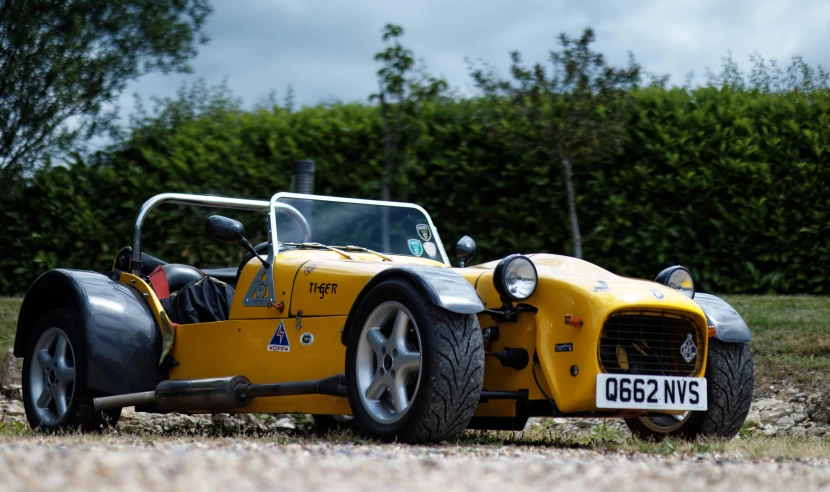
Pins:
x,y
229,231
224,229
465,250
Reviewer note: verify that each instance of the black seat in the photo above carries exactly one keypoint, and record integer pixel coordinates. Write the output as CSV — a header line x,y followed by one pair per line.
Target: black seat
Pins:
x,y
179,275
187,294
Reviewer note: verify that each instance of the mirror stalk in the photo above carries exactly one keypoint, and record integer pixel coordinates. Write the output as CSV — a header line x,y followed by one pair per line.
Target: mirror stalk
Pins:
x,y
249,247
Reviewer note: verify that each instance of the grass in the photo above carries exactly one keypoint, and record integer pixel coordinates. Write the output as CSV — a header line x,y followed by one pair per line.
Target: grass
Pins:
x,y
9,307
606,440
791,342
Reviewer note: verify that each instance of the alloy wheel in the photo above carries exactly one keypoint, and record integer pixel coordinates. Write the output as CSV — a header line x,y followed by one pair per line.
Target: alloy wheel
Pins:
x,y
52,376
389,362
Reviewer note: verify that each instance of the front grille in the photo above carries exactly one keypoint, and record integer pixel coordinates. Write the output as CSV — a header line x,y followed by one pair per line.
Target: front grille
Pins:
x,y
650,343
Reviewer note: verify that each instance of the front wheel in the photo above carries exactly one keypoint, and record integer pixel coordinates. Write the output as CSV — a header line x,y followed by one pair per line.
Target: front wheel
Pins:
x,y
730,380
55,395
414,371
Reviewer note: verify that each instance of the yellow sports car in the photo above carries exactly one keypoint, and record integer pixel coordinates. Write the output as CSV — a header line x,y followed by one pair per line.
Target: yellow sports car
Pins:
x,y
351,310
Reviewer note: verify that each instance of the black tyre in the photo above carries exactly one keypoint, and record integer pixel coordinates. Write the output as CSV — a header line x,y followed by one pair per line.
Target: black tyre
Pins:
x,y
413,370
55,395
730,380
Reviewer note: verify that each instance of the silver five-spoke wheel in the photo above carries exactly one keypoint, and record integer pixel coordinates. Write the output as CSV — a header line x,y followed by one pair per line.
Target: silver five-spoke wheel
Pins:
x,y
413,370
388,362
52,376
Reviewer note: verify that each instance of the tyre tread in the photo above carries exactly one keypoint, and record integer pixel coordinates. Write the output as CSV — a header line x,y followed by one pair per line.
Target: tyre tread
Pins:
x,y
453,398
730,378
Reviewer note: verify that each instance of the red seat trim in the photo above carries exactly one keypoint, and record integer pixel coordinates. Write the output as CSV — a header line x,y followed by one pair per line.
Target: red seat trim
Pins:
x,y
158,280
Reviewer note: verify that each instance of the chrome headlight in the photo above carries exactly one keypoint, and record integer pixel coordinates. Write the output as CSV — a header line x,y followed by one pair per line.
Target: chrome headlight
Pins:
x,y
678,278
515,278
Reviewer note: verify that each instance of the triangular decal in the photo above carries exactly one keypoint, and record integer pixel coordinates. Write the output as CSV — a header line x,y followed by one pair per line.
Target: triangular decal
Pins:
x,y
279,342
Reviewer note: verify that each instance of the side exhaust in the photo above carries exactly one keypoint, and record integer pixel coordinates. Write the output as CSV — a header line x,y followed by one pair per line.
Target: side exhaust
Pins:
x,y
219,393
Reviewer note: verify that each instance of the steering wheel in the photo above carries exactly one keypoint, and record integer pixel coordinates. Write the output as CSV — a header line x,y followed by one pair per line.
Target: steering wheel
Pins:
x,y
262,248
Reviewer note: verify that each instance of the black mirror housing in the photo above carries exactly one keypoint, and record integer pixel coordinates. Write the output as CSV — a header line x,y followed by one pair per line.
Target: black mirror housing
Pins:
x,y
224,229
465,250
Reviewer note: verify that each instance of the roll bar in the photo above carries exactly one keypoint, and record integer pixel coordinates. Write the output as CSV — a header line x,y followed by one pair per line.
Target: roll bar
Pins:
x,y
185,199
256,205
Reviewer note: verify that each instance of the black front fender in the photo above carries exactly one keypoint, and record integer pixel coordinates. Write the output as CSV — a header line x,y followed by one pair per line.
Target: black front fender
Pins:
x,y
122,338
729,325
443,287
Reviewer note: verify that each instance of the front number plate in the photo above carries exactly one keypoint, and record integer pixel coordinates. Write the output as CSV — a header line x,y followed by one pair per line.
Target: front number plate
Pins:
x,y
651,392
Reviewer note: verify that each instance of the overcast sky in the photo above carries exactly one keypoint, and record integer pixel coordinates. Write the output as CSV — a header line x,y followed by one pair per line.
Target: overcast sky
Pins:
x,y
325,48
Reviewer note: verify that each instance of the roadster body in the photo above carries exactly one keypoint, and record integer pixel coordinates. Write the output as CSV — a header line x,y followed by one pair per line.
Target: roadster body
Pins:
x,y
352,308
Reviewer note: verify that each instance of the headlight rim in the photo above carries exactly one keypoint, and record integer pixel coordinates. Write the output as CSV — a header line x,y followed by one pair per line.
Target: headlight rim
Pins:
x,y
664,276
500,282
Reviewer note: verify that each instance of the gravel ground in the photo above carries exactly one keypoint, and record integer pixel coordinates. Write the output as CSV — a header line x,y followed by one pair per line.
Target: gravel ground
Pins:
x,y
170,464
176,452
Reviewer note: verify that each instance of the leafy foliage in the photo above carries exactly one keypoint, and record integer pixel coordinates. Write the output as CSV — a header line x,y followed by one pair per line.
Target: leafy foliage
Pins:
x,y
65,62
404,88
574,115
767,76
728,180
730,183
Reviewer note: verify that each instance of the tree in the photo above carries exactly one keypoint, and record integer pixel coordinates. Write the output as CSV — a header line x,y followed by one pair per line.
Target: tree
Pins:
x,y
576,111
403,87
767,77
65,62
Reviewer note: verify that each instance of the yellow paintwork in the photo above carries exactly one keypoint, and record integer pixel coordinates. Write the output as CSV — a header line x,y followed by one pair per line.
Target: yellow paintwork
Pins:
x,y
295,270
239,347
146,291
566,286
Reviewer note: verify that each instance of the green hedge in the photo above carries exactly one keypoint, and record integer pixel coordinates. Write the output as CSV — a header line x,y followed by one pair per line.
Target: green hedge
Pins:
x,y
734,185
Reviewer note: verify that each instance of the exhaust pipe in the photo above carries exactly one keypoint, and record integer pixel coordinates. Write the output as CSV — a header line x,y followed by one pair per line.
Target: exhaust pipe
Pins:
x,y
201,394
218,393
128,400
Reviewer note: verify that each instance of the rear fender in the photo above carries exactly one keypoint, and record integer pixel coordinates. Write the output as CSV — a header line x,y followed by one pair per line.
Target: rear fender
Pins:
x,y
729,325
442,286
122,338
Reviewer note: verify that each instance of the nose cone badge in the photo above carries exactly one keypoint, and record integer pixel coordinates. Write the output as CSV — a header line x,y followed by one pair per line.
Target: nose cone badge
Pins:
x,y
688,350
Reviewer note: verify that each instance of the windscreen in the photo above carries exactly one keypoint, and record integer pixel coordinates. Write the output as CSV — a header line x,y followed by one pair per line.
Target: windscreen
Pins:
x,y
397,230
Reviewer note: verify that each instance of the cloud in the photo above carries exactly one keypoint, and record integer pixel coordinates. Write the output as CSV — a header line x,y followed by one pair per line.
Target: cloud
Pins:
x,y
325,48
